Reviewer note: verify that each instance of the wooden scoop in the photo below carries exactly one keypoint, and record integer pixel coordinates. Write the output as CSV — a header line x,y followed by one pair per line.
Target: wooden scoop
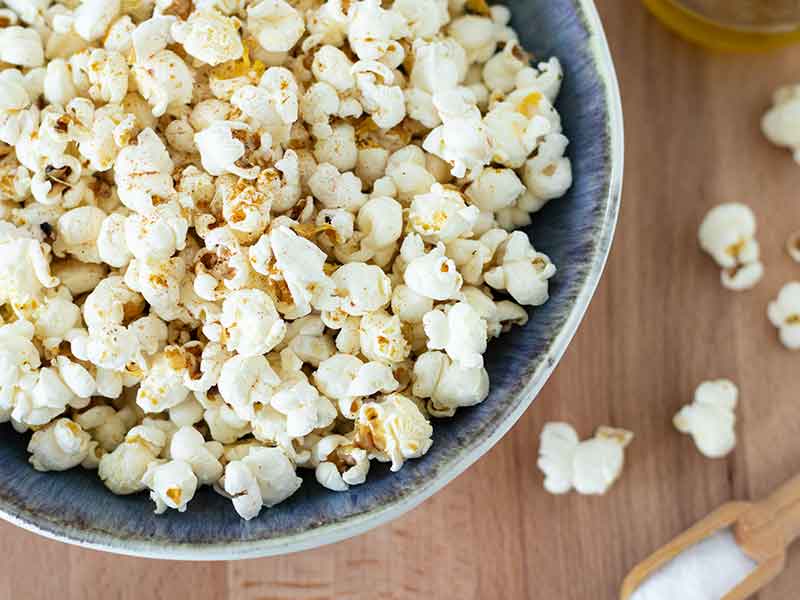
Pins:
x,y
763,530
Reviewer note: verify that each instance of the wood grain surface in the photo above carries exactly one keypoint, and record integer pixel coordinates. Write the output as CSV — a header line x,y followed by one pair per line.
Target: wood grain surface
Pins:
x,y
660,324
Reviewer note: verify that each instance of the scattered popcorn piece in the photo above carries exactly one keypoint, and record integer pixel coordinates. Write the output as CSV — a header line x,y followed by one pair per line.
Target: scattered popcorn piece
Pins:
x,y
780,123
589,467
784,314
727,233
710,419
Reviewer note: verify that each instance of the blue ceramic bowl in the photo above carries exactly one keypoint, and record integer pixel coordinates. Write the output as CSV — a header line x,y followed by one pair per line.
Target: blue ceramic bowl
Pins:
x,y
575,231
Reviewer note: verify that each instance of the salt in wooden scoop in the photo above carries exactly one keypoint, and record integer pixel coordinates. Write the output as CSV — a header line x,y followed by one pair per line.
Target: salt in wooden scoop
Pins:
x,y
762,530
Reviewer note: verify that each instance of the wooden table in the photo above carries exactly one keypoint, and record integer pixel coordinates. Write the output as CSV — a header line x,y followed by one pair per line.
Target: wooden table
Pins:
x,y
659,325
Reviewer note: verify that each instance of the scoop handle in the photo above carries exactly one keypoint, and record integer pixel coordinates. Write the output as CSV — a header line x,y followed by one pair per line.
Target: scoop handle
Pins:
x,y
771,525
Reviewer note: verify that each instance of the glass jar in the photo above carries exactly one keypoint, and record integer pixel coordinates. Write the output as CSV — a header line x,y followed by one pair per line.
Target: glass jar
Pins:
x,y
732,24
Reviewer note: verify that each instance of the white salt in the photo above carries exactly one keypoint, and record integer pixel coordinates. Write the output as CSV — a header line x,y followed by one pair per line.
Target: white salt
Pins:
x,y
706,571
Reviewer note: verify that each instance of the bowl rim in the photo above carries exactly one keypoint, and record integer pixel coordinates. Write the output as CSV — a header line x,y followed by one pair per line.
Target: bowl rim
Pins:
x,y
358,524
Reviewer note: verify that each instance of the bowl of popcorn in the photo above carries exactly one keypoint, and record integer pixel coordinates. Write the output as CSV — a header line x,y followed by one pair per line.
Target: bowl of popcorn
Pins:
x,y
274,272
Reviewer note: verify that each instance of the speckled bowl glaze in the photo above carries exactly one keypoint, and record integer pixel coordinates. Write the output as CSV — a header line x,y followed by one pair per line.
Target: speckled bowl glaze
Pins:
x,y
575,231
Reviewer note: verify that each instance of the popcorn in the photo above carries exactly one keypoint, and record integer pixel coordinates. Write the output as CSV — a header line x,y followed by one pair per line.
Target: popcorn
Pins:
x,y
77,233
477,35
336,190
590,467
265,477
162,387
251,322
382,339
275,24
727,233
304,408
332,66
784,314
164,80
460,332
339,464
425,19
462,140
361,288
495,189
393,430
382,100
143,171
220,149
246,382
295,263
92,17
122,470
522,272
172,484
209,37
107,72
710,419
156,235
441,215
302,265
500,71
338,149
549,174
449,385
432,275
21,46
60,446
779,123
112,247
188,446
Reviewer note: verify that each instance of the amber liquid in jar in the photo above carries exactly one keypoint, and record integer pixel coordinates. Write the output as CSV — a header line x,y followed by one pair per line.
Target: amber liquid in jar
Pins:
x,y
732,24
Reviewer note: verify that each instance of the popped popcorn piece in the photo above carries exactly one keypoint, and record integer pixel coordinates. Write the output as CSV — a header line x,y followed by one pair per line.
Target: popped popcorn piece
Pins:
x,y
441,215
21,46
304,408
462,140
710,419
361,288
373,32
460,332
77,233
60,446
189,446
780,123
220,149
275,24
163,79
432,274
209,37
727,233
339,463
265,477
590,467
448,384
246,383
143,171
522,271
784,314
123,469
172,484
252,323
92,17
393,430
